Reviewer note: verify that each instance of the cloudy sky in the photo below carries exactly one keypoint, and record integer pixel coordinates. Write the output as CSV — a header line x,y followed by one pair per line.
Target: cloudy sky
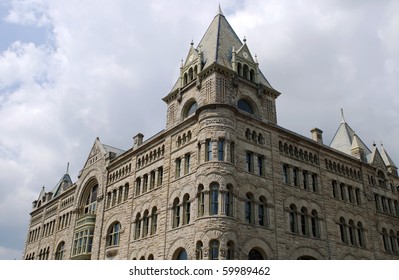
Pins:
x,y
74,70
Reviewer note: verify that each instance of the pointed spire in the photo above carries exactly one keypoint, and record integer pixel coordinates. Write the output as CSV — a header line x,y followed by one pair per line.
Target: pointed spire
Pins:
x,y
67,170
342,116
220,11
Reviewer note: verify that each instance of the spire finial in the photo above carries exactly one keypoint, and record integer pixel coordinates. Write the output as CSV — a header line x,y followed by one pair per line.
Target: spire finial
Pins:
x,y
245,39
67,171
192,42
342,116
220,11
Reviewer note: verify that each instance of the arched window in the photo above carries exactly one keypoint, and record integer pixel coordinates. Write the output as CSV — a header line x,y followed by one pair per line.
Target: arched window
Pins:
x,y
352,236
146,223
190,109
201,200
114,234
293,219
151,257
228,201
91,201
343,230
249,208
199,250
252,75
176,212
315,224
245,73
254,254
245,106
304,221
214,249
385,239
59,254
239,69
182,255
137,231
186,209
154,220
262,212
230,250
360,235
214,199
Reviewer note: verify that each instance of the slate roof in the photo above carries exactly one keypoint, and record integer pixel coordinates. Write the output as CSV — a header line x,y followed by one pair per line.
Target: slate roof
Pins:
x,y
217,45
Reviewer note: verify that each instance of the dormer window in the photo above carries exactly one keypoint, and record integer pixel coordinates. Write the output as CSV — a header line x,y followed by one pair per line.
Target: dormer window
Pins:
x,y
190,109
245,106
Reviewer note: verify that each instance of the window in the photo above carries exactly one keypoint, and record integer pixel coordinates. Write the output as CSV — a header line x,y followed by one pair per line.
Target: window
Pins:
x,y
208,152
248,162
262,212
305,180
245,106
293,219
154,220
334,188
295,173
314,182
83,241
126,194
137,231
304,221
91,201
152,180
285,174
230,250
343,230
146,223
261,165
342,189
113,234
182,255
248,208
228,201
186,209
138,186
176,213
221,150
187,159
201,200
214,197
199,250
360,235
191,109
178,167
315,224
59,254
160,176
214,249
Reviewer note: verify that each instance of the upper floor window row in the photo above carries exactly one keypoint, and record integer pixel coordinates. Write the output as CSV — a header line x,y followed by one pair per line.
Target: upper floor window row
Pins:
x,y
300,153
344,170
243,70
190,75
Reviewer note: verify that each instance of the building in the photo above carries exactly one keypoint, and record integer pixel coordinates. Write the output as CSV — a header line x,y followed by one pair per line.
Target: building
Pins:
x,y
223,180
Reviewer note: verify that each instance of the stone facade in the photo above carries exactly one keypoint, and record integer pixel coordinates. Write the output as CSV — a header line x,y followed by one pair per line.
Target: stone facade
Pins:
x,y
223,180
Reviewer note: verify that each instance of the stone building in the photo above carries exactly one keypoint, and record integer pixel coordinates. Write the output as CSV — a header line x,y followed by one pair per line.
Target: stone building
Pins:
x,y
223,180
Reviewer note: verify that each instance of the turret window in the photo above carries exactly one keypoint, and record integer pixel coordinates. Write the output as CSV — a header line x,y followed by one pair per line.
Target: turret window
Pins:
x,y
245,106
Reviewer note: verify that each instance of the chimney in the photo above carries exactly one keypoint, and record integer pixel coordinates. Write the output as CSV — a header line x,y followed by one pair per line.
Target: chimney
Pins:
x,y
137,140
317,135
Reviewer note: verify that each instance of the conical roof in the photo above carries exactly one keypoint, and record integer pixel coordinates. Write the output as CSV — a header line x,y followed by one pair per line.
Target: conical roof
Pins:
x,y
387,159
344,137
